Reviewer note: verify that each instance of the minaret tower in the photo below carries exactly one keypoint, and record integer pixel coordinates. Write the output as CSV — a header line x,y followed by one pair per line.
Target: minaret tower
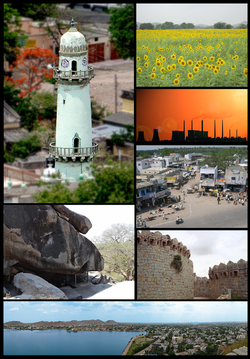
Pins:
x,y
73,146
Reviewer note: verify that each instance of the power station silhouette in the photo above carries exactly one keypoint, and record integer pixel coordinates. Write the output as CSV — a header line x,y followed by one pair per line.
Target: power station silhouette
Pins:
x,y
193,136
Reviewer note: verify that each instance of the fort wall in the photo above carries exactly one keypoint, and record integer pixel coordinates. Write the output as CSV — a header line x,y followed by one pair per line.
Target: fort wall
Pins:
x,y
201,286
232,276
157,277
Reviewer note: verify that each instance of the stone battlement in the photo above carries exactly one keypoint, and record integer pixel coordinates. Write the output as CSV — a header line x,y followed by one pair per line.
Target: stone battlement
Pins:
x,y
157,239
230,269
233,276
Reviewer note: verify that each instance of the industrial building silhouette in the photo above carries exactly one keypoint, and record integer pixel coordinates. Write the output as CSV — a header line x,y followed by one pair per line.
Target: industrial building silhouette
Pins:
x,y
193,136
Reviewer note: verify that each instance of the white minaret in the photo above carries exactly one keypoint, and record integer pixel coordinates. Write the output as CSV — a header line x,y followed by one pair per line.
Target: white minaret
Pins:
x,y
73,146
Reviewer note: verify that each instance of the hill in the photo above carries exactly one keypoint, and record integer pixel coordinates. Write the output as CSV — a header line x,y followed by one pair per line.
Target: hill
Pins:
x,y
60,323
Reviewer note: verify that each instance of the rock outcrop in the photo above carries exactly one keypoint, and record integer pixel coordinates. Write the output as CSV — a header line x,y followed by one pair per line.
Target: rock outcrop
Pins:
x,y
47,238
34,287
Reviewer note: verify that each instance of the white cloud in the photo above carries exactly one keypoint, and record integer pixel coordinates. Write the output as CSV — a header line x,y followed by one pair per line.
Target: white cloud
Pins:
x,y
54,311
13,309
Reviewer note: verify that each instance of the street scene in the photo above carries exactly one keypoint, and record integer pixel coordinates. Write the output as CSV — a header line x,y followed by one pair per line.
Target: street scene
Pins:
x,y
183,191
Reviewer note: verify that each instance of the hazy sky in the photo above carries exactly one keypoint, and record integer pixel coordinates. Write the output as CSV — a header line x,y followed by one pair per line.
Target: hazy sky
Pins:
x,y
103,216
207,14
151,312
166,109
209,248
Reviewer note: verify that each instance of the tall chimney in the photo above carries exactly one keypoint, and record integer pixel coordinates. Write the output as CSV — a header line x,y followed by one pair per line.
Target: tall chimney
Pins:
x,y
236,133
184,129
222,130
229,133
202,128
214,128
191,125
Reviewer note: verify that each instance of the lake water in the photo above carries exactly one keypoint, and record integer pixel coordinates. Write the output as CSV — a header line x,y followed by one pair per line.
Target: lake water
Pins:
x,y
62,342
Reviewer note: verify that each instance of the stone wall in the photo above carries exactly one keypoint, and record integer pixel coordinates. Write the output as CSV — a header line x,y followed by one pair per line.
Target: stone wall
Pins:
x,y
201,286
232,276
156,276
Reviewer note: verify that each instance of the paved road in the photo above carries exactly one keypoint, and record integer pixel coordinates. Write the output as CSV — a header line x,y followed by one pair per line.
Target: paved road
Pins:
x,y
202,212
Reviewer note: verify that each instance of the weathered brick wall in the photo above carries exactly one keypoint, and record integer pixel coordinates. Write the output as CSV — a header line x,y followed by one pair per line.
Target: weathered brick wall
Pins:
x,y
232,276
156,278
201,286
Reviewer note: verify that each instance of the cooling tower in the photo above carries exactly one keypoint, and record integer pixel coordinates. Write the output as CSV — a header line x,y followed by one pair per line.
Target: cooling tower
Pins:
x,y
141,136
155,136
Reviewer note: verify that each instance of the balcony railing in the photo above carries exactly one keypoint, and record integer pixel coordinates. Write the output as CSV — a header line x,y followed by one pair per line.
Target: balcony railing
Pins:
x,y
65,75
73,151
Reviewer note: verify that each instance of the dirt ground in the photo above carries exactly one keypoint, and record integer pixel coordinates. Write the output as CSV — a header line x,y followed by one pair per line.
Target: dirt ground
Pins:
x,y
102,86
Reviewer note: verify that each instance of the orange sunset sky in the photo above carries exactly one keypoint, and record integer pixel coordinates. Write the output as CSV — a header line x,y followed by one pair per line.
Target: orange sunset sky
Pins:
x,y
167,109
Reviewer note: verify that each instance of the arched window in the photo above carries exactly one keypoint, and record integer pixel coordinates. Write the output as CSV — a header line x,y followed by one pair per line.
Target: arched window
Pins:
x,y
76,144
74,65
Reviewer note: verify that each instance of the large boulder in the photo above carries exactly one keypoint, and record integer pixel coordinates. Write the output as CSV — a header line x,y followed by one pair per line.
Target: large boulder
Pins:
x,y
43,238
32,285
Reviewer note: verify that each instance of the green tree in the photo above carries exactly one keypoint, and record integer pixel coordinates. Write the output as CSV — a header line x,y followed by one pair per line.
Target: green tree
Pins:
x,y
26,146
113,183
37,11
167,25
220,25
146,26
13,36
45,102
122,30
116,245
23,106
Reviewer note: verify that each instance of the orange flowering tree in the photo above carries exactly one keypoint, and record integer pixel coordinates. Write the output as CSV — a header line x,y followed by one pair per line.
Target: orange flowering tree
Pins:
x,y
34,63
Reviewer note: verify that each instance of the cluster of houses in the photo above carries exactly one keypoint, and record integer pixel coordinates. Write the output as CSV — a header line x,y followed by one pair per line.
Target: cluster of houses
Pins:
x,y
156,176
199,337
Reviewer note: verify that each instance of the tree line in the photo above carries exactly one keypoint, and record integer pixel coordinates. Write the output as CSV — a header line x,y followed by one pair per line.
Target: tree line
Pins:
x,y
171,26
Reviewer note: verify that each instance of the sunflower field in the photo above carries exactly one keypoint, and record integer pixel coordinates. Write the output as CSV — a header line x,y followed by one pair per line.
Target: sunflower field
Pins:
x,y
193,57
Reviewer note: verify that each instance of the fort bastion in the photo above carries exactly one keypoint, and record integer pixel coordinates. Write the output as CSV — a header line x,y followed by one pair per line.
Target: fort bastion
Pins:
x,y
164,270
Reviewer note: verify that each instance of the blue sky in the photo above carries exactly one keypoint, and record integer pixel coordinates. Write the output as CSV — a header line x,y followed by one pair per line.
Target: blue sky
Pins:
x,y
131,311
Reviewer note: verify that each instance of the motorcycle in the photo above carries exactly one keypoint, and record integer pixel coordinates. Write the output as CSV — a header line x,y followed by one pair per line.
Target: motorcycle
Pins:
x,y
179,220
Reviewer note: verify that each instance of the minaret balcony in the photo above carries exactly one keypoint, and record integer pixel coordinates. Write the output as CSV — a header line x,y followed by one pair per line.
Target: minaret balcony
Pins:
x,y
73,75
73,152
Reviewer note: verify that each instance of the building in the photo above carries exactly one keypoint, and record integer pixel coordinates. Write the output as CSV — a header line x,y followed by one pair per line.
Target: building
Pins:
x,y
151,193
142,164
73,148
236,178
208,176
12,127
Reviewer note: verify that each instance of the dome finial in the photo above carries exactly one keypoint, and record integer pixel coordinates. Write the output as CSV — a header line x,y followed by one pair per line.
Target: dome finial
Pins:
x,y
72,22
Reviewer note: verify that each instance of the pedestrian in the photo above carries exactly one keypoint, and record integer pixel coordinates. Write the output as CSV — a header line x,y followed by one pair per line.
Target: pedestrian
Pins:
x,y
218,200
144,224
163,215
242,202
